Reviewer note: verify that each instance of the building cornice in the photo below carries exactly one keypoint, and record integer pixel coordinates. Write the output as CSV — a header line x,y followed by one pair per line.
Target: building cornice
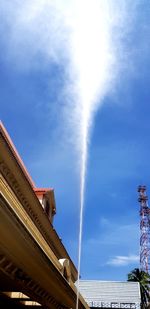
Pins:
x,y
25,254
23,189
38,216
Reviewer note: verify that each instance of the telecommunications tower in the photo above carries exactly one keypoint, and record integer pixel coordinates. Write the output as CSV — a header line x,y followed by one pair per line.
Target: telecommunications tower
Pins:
x,y
145,230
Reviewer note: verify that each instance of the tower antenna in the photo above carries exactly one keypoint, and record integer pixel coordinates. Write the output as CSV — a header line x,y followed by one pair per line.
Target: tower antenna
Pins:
x,y
145,230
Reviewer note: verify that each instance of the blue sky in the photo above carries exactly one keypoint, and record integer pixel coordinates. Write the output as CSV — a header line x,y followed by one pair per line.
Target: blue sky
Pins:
x,y
32,100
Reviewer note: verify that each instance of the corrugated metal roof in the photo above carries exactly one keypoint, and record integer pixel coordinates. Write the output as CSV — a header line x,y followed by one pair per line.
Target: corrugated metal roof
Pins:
x,y
96,293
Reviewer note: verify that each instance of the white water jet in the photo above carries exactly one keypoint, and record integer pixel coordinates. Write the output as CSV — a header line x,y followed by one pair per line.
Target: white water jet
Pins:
x,y
98,28
88,34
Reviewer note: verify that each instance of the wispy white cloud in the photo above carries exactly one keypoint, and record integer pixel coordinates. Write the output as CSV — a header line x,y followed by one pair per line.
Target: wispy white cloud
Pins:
x,y
104,222
121,260
112,245
116,238
115,234
90,35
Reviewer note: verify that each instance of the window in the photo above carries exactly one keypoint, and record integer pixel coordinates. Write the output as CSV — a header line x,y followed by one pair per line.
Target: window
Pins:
x,y
47,208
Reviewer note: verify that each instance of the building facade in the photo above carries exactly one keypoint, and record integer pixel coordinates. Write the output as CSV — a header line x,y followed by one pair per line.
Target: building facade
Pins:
x,y
35,268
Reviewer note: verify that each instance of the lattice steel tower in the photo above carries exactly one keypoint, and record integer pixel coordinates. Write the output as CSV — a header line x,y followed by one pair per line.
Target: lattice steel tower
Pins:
x,y
145,230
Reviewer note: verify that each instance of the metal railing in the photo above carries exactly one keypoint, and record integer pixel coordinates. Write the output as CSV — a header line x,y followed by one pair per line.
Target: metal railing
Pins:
x,y
100,304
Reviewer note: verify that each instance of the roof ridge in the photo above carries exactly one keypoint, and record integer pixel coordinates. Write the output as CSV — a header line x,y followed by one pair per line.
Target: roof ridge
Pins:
x,y
111,281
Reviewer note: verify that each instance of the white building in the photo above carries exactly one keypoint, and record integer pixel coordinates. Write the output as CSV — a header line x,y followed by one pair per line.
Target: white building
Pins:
x,y
110,294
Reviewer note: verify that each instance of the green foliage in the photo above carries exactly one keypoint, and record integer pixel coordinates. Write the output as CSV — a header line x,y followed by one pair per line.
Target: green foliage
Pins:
x,y
143,278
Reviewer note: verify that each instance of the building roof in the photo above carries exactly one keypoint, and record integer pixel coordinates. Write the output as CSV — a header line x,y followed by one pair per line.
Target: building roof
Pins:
x,y
15,173
110,293
42,190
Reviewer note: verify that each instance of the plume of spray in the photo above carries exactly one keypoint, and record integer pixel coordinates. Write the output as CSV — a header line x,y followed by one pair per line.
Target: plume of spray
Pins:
x,y
97,57
89,37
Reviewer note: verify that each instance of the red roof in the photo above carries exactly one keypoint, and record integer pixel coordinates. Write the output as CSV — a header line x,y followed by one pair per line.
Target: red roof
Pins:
x,y
41,191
